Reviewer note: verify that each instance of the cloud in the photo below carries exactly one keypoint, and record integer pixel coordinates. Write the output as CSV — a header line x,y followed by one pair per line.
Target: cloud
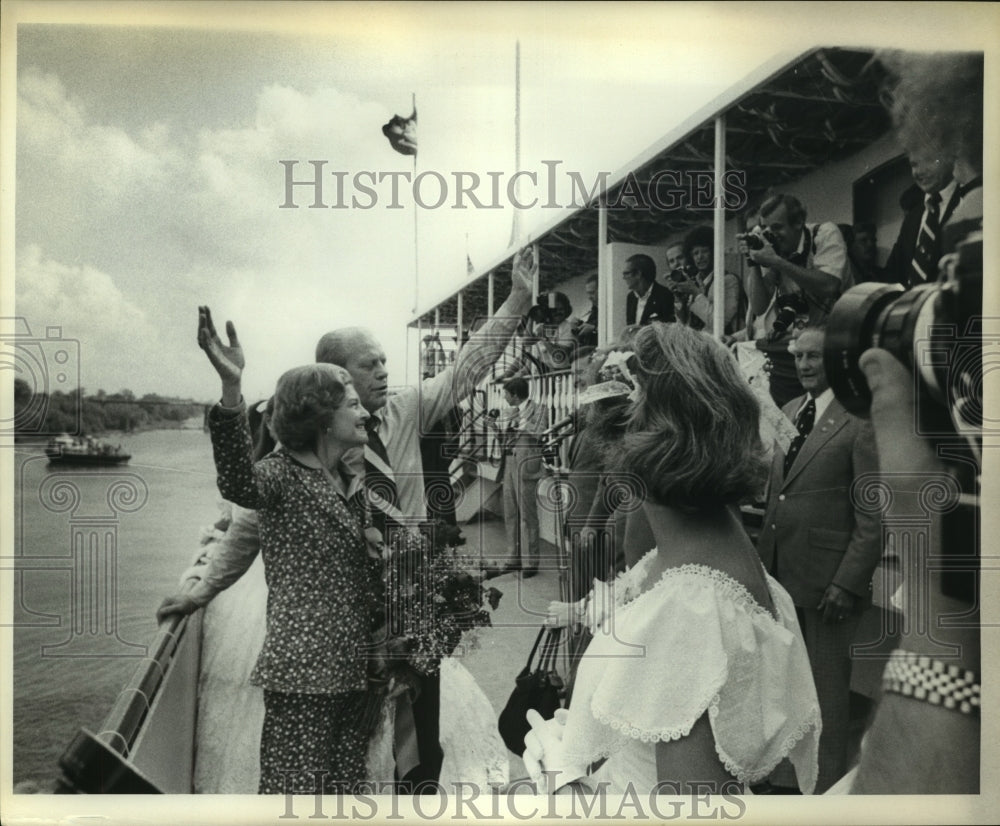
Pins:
x,y
139,227
118,341
53,127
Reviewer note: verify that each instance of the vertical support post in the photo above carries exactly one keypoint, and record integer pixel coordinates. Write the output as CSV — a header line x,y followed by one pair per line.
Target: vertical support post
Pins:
x,y
719,239
604,276
489,295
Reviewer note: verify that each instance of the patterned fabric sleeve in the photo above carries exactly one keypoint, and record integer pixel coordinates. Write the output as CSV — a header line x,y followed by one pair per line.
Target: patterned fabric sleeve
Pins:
x,y
239,481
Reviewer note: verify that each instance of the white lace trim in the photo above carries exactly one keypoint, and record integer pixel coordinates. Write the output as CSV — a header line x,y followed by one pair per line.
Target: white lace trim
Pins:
x,y
626,590
787,746
633,578
663,735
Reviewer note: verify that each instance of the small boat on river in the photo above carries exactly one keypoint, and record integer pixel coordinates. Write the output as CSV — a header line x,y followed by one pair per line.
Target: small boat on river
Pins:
x,y
84,451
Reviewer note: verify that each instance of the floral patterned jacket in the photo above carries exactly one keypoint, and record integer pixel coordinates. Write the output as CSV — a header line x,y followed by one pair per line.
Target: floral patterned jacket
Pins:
x,y
323,586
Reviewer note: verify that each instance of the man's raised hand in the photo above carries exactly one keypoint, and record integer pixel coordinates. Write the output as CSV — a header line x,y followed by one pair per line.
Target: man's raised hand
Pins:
x,y
524,269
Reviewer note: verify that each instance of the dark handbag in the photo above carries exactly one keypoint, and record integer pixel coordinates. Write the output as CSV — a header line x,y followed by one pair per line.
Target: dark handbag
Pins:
x,y
540,689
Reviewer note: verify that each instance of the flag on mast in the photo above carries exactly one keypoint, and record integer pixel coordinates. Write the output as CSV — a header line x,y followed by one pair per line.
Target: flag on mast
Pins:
x,y
402,133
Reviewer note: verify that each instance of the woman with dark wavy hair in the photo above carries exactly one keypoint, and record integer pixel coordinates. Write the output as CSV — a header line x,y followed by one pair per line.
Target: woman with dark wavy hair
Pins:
x,y
698,290
697,672
322,582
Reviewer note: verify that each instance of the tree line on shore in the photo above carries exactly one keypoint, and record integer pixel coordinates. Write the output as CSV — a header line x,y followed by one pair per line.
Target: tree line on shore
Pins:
x,y
76,413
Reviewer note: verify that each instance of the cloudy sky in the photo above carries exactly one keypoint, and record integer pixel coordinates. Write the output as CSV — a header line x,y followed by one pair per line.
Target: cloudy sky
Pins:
x,y
148,142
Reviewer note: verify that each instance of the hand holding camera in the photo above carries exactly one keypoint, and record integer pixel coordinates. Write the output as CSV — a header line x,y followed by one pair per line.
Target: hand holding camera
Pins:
x,y
758,246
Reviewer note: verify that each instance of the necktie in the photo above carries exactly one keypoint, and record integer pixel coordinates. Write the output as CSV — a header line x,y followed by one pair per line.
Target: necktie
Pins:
x,y
927,252
807,417
376,479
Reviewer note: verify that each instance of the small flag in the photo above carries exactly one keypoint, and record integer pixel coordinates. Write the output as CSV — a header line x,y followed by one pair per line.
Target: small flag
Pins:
x,y
402,133
469,269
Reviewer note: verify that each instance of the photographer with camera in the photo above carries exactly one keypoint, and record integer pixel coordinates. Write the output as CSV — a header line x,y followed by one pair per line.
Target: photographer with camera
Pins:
x,y
797,272
695,283
922,386
787,255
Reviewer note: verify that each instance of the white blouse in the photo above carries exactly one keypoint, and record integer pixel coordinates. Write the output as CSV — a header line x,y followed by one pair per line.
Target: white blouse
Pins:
x,y
694,642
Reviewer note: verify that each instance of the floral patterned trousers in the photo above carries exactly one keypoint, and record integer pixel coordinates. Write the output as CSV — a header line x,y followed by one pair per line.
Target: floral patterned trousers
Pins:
x,y
312,738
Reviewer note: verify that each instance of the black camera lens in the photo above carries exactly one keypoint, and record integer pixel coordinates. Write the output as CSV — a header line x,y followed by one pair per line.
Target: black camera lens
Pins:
x,y
850,330
934,329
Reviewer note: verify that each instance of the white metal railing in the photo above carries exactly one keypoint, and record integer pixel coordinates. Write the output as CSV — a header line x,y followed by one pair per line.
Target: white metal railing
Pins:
x,y
553,391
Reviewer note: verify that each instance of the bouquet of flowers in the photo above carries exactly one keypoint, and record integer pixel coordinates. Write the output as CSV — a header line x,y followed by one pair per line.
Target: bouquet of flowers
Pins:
x,y
433,595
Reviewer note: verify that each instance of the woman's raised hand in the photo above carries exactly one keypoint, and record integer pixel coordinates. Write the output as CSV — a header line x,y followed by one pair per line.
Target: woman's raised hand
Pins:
x,y
227,361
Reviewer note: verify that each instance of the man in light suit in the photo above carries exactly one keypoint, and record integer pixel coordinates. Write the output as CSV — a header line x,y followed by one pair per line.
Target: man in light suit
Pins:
x,y
646,300
819,545
521,429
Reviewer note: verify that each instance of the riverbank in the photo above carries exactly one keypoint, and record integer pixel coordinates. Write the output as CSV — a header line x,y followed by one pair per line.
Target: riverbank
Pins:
x,y
28,440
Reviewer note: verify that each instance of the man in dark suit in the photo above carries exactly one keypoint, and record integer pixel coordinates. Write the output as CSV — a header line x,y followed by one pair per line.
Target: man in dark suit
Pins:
x,y
928,206
647,301
819,546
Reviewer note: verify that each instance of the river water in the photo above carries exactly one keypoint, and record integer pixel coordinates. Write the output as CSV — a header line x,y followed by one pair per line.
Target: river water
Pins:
x,y
81,622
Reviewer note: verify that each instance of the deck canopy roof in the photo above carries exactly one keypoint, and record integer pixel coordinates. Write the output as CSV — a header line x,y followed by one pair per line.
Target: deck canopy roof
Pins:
x,y
782,122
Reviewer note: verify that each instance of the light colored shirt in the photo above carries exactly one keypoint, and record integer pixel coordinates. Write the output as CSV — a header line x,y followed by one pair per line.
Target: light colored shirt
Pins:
x,y
640,302
829,254
822,402
703,304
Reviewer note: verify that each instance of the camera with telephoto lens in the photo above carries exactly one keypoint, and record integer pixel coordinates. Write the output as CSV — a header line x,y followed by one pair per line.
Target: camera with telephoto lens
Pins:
x,y
936,331
788,306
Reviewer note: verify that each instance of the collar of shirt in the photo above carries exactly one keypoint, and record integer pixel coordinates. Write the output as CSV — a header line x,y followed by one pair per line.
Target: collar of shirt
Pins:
x,y
645,295
640,305
822,402
804,236
969,186
946,195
